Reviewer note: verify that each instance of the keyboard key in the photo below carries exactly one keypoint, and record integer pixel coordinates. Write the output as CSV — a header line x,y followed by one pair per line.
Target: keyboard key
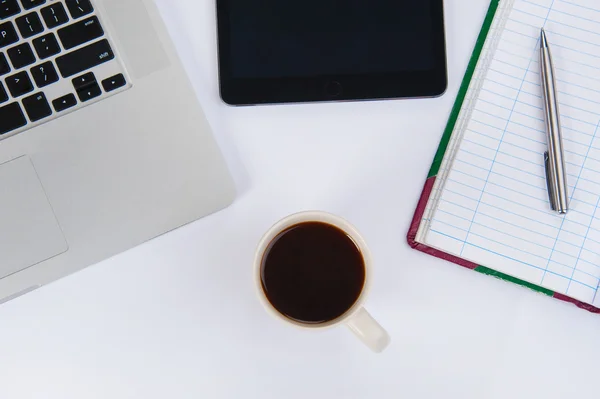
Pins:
x,y
29,4
21,55
30,25
8,34
44,74
85,58
11,118
89,92
3,94
114,82
81,82
81,32
37,107
79,8
4,67
19,84
46,46
64,102
8,8
55,15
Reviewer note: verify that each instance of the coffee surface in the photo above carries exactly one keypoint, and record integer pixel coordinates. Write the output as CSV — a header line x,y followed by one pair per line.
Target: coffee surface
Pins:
x,y
313,272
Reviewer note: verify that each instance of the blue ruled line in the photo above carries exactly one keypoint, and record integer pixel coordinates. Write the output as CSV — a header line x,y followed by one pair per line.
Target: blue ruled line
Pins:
x,y
497,149
580,6
505,256
582,248
593,214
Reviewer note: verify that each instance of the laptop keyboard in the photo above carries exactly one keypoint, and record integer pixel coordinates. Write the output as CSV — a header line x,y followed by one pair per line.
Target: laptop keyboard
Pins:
x,y
55,58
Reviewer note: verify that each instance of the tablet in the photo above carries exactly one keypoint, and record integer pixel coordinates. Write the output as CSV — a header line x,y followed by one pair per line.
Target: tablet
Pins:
x,y
279,51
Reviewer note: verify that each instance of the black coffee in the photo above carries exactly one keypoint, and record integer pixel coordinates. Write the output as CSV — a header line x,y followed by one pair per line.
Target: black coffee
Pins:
x,y
312,272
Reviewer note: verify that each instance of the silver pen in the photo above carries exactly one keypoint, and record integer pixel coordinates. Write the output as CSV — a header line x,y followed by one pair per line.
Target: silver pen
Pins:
x,y
554,158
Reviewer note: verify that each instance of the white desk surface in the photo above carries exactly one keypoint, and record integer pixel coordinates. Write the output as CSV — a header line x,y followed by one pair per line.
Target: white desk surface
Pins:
x,y
178,317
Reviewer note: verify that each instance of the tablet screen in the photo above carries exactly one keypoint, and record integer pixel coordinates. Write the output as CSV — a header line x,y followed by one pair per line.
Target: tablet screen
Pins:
x,y
277,50
289,38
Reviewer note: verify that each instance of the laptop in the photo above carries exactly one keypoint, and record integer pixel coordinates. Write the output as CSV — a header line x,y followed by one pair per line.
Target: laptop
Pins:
x,y
103,144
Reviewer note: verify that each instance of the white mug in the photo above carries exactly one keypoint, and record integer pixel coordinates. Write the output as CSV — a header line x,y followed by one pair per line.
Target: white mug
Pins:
x,y
357,319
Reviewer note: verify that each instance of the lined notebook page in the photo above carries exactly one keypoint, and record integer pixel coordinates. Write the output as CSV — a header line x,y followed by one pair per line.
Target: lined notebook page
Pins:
x,y
494,207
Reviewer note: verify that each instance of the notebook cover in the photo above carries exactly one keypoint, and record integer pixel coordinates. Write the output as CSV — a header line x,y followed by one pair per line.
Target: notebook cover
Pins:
x,y
435,168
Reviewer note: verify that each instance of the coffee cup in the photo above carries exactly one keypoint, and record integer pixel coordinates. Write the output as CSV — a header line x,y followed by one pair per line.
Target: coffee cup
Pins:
x,y
313,270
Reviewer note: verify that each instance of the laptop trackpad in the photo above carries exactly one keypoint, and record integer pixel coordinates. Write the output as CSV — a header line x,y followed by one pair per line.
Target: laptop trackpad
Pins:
x,y
29,232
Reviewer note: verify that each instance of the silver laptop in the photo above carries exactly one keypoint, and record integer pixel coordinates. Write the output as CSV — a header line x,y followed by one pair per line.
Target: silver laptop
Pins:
x,y
103,144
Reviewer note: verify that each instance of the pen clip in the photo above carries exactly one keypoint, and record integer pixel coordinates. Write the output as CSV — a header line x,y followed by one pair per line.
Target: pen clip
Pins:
x,y
549,180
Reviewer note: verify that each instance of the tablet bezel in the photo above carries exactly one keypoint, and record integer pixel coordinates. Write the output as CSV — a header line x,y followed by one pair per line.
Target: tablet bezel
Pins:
x,y
405,84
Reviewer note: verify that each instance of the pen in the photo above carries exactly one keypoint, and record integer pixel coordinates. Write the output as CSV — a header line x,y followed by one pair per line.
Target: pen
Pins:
x,y
554,158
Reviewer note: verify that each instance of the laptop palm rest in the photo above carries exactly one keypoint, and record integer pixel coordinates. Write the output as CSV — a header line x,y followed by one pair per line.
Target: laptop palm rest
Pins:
x,y
29,232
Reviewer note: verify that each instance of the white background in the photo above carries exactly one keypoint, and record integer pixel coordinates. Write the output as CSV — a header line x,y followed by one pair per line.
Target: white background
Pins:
x,y
178,317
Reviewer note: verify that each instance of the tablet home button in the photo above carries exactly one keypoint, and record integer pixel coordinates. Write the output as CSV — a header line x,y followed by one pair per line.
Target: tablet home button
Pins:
x,y
333,89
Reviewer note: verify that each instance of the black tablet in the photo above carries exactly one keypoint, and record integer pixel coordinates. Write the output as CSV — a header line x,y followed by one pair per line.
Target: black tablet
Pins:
x,y
278,51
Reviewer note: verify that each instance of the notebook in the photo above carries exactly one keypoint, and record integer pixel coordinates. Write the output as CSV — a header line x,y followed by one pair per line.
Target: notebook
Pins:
x,y
485,203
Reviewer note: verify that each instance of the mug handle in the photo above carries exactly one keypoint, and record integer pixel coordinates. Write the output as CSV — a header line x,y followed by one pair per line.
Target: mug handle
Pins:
x,y
368,330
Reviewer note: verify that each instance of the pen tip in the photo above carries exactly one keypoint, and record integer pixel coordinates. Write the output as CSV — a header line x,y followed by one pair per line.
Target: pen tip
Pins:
x,y
543,39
